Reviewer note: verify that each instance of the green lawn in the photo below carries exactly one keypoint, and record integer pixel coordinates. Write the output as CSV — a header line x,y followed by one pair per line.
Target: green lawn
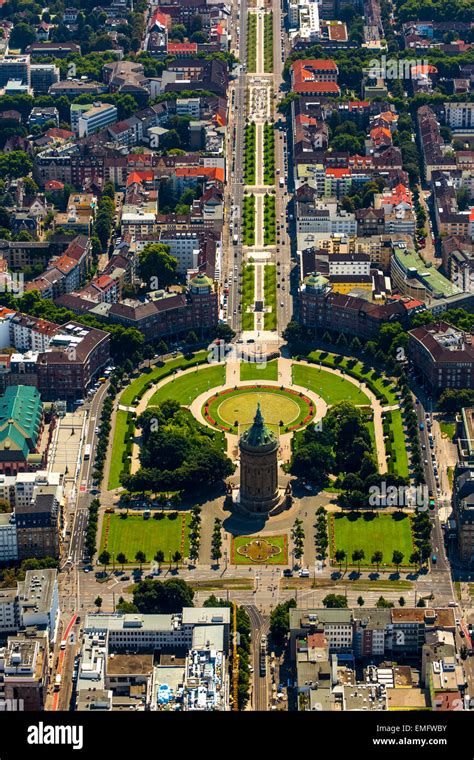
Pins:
x,y
268,154
248,220
269,290
371,428
248,296
269,220
134,533
399,444
278,559
372,531
362,371
116,464
185,388
253,371
156,373
250,152
240,405
268,41
330,387
251,42
447,429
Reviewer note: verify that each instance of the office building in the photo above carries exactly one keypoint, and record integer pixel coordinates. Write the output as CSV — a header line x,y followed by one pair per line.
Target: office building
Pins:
x,y
97,117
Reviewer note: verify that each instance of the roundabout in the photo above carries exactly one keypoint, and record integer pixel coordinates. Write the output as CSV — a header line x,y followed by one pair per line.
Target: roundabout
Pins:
x,y
233,409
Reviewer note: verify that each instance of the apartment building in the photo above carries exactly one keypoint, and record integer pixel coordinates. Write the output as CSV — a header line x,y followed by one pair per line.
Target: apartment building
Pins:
x,y
15,67
33,603
8,540
335,624
38,600
43,76
443,354
9,611
463,509
26,671
324,216
323,309
31,333
38,527
20,489
459,115
73,360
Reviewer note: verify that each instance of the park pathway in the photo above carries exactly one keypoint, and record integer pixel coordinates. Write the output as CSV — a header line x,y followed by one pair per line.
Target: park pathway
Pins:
x,y
232,379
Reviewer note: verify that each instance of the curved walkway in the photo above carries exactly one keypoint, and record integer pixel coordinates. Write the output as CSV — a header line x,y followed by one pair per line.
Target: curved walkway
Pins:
x,y
376,406
285,378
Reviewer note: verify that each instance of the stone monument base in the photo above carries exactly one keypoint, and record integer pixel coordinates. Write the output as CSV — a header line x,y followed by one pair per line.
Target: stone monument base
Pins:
x,y
282,501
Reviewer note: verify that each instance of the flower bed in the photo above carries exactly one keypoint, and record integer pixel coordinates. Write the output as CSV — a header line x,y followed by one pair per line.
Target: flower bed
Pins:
x,y
307,409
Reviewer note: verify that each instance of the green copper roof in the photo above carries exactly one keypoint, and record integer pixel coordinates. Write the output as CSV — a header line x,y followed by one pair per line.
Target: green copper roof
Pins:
x,y
200,281
20,419
316,280
258,435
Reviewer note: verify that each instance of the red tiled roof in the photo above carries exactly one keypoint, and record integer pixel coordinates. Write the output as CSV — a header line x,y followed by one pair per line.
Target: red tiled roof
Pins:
x,y
424,68
337,173
104,281
320,64
65,264
317,87
200,171
54,184
139,177
182,47
62,134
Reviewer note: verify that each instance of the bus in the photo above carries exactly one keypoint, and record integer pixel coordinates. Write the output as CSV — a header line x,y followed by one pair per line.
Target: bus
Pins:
x,y
87,451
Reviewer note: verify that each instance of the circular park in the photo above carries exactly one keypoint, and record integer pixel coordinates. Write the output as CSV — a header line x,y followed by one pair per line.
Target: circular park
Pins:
x,y
234,408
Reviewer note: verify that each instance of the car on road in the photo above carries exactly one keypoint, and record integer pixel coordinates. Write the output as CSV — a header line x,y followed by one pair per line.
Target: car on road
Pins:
x,y
304,573
86,570
288,573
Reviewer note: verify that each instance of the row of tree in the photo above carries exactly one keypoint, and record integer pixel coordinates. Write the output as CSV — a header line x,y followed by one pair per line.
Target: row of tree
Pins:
x,y
105,558
194,533
321,536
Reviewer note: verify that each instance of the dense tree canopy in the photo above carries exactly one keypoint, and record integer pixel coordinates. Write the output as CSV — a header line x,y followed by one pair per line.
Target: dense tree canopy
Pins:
x,y
158,268
177,453
162,597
